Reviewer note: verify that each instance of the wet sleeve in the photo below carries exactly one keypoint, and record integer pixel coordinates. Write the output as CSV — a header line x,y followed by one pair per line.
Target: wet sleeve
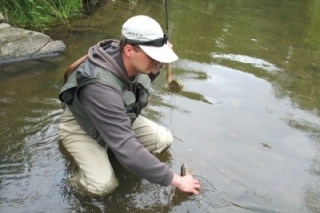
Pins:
x,y
105,108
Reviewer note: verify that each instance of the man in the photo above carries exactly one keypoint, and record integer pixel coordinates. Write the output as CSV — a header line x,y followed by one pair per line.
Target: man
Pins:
x,y
104,98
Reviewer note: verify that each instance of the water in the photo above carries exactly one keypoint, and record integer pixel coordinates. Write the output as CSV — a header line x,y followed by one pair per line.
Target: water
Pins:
x,y
247,121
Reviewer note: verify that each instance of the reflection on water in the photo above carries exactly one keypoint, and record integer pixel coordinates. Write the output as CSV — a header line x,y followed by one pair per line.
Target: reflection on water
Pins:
x,y
247,121
255,62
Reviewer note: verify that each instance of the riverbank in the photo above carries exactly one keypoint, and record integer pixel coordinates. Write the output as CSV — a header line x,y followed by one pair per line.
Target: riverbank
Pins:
x,y
18,44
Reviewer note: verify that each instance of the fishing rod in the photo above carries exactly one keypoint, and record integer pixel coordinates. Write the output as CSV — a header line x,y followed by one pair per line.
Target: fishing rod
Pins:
x,y
173,85
167,22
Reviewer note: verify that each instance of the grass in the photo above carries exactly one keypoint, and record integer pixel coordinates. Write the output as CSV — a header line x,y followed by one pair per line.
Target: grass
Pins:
x,y
38,13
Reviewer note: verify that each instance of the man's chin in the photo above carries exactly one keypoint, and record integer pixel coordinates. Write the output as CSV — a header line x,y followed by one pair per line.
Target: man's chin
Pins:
x,y
147,72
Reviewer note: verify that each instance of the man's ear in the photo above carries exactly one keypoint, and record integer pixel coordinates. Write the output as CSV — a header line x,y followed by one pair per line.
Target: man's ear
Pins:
x,y
128,50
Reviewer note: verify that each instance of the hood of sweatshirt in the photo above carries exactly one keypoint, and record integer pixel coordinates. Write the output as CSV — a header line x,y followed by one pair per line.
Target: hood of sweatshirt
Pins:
x,y
106,54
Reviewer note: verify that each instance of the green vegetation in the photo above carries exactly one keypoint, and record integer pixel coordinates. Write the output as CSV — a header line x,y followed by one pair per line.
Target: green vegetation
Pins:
x,y
38,13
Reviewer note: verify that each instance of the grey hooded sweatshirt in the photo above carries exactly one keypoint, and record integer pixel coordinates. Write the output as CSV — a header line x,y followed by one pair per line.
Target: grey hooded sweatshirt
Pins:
x,y
104,106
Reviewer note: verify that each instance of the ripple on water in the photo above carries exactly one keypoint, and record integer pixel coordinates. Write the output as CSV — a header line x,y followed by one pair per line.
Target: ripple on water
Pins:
x,y
316,138
30,168
312,197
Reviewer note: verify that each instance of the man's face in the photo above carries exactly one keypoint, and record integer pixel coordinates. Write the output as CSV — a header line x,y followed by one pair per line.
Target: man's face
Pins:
x,y
142,63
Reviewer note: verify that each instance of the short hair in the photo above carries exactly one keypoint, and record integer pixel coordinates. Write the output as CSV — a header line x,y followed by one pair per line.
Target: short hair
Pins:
x,y
123,43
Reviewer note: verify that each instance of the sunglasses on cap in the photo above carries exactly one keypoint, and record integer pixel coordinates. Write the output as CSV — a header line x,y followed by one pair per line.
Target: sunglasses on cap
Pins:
x,y
156,43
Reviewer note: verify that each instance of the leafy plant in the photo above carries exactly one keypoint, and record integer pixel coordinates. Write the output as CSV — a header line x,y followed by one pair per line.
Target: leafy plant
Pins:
x,y
38,13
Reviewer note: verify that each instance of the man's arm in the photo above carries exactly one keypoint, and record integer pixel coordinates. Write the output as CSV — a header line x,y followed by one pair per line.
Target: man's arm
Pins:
x,y
105,108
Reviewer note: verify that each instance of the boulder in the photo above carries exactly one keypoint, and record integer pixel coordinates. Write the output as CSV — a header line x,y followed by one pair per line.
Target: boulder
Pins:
x,y
2,19
17,44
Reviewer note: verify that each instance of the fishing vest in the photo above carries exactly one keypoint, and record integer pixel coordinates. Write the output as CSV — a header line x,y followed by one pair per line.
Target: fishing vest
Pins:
x,y
135,99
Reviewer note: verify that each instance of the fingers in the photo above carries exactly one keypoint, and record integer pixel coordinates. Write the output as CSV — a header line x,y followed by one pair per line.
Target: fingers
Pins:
x,y
196,181
195,186
169,44
186,184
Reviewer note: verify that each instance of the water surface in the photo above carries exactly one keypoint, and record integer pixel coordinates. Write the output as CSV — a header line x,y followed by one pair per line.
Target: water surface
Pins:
x,y
247,121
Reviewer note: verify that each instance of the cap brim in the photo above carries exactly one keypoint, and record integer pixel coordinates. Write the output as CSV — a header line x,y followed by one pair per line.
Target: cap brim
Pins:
x,y
162,54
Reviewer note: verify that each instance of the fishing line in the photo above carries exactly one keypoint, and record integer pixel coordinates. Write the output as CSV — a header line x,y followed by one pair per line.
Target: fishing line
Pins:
x,y
161,80
168,67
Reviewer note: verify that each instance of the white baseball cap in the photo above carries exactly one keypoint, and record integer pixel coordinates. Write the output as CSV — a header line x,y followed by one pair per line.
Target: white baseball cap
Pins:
x,y
147,33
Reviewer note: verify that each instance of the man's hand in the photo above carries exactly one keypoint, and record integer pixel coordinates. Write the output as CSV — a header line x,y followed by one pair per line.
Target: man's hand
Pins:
x,y
186,184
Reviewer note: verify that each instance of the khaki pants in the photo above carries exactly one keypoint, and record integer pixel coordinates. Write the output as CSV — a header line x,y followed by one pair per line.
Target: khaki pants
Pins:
x,y
95,171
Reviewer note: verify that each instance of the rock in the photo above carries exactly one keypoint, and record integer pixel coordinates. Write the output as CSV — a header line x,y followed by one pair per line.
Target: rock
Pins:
x,y
50,49
19,44
1,18
3,25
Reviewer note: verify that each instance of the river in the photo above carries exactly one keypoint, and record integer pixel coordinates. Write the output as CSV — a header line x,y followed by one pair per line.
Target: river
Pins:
x,y
247,122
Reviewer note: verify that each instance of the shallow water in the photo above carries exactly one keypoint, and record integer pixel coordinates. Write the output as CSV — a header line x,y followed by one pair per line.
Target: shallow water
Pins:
x,y
247,121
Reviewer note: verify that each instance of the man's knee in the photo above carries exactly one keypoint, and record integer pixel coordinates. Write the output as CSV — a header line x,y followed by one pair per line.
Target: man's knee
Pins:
x,y
98,186
164,141
103,187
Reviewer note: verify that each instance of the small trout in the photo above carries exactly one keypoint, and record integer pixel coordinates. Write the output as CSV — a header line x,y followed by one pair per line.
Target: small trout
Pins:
x,y
184,170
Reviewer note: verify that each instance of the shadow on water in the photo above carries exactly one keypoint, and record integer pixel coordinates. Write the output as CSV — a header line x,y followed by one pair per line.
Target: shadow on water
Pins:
x,y
26,69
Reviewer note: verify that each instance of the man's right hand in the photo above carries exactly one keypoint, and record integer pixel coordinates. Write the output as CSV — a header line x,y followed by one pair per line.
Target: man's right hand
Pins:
x,y
186,184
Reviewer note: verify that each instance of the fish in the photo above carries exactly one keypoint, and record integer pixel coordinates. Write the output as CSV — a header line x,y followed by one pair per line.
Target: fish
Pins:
x,y
184,170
